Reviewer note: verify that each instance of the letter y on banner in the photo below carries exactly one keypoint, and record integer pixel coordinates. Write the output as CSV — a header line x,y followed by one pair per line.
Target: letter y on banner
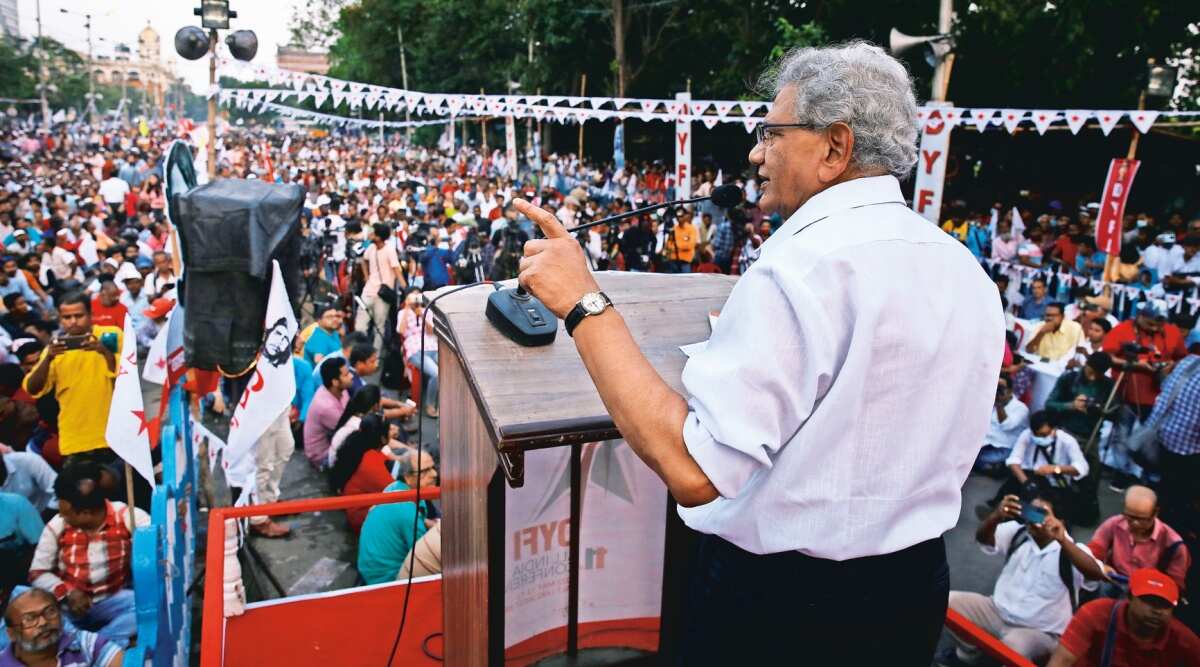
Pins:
x,y
272,384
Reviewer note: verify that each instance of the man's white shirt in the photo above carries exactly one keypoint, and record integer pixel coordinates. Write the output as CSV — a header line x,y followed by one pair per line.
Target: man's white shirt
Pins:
x,y
844,393
1029,592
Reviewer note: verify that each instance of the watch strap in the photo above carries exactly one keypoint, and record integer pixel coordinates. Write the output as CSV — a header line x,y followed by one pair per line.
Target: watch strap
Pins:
x,y
577,314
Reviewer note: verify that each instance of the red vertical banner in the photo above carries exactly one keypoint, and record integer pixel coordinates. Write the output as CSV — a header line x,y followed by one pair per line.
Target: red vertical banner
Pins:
x,y
1112,205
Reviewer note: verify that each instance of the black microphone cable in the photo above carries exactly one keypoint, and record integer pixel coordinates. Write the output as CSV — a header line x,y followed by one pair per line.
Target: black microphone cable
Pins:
x,y
420,447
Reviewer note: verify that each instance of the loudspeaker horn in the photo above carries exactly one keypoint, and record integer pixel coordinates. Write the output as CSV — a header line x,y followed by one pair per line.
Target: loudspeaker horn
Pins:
x,y
243,44
191,42
899,42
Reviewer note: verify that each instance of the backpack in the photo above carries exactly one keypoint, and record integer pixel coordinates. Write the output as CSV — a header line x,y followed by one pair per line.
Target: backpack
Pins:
x,y
1066,571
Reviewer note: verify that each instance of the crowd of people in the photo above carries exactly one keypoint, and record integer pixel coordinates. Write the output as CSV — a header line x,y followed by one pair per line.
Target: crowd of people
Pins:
x,y
1099,350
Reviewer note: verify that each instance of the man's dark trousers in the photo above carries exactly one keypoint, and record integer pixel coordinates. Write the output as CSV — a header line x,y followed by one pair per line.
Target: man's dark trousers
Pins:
x,y
792,609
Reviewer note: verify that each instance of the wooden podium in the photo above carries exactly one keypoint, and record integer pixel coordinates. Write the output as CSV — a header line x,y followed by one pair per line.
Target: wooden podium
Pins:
x,y
504,406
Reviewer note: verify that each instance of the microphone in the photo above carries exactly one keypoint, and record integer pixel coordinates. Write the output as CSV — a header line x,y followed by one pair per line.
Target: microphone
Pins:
x,y
724,196
526,321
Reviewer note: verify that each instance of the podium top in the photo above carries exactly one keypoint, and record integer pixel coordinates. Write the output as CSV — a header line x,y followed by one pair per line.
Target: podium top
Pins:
x,y
536,397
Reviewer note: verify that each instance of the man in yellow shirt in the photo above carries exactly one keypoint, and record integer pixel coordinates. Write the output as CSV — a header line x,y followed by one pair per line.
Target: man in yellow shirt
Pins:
x,y
681,243
1057,337
80,367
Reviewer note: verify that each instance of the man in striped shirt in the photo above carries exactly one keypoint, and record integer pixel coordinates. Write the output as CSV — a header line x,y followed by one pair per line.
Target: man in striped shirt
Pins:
x,y
83,556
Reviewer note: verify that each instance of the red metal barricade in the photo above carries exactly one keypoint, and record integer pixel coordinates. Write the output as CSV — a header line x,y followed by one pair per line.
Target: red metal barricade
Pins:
x,y
212,641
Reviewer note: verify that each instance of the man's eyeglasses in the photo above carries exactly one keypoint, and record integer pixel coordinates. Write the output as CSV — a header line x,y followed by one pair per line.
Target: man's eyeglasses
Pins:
x,y
765,132
34,618
1132,518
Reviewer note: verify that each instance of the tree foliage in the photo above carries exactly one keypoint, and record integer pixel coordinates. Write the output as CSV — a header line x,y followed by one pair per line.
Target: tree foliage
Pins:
x,y
1032,53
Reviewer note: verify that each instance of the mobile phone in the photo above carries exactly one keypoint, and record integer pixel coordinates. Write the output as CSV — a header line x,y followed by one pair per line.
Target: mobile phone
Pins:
x,y
1119,578
73,342
1032,514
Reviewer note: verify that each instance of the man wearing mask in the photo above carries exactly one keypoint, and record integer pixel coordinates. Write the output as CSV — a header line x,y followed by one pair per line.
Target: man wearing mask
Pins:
x,y
1163,255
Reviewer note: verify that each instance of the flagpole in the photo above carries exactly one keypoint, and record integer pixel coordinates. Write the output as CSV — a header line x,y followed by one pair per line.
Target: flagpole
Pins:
x,y
129,495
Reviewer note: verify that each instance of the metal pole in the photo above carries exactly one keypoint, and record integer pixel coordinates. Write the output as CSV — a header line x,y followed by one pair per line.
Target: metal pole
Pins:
x,y
212,106
91,105
582,93
1133,140
41,56
404,81
941,73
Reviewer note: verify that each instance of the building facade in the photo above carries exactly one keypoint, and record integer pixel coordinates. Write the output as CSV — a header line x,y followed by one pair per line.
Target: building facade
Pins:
x,y
297,59
144,70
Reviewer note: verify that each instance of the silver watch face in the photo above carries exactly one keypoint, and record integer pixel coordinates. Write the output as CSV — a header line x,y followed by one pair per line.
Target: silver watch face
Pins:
x,y
593,303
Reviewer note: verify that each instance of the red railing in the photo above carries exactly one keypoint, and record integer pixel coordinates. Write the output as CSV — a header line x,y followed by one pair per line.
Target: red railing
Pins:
x,y
212,639
994,648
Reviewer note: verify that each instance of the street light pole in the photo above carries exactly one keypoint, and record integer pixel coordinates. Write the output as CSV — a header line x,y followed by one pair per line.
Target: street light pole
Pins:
x,y
941,72
41,56
91,105
404,82
212,106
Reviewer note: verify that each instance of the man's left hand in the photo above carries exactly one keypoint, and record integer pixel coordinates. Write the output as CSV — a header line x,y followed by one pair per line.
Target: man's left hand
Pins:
x,y
1044,470
1055,528
554,269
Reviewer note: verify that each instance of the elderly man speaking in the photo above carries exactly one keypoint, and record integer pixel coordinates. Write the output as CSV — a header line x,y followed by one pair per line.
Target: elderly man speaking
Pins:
x,y
837,409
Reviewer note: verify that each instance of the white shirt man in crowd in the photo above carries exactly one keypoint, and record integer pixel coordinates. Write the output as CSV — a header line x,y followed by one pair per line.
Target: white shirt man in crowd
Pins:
x,y
1031,603
1009,418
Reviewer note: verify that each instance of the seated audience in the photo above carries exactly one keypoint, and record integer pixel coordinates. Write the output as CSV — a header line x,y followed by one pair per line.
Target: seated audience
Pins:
x,y
1057,338
1139,631
1048,455
387,532
1136,539
41,636
325,410
1038,588
20,529
1079,396
27,474
361,404
1009,419
83,555
362,467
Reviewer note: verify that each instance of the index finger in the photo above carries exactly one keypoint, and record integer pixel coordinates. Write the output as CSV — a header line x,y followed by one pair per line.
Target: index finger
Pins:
x,y
549,224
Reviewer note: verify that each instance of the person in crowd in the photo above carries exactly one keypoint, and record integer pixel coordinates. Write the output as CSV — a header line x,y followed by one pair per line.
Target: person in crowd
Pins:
x,y
1048,456
381,266
39,635
1178,408
326,337
1034,306
1137,631
1078,396
325,410
162,277
1089,261
361,466
20,529
417,331
1038,588
1136,538
1010,417
681,242
271,454
20,321
1094,331
79,367
107,309
360,405
1144,350
1057,338
28,475
1184,272
84,553
387,533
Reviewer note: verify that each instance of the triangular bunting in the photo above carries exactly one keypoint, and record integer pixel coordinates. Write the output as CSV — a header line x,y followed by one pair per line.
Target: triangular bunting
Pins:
x,y
1042,119
1011,119
648,105
981,118
722,108
710,121
1076,118
1108,120
1142,120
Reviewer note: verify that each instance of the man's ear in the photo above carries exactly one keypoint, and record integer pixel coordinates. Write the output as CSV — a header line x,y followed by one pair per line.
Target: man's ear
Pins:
x,y
839,146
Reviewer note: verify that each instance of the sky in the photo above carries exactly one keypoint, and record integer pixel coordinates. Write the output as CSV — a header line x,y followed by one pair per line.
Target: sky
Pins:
x,y
120,21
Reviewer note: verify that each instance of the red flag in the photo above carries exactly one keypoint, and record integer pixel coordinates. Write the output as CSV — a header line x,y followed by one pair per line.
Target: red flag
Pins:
x,y
1112,205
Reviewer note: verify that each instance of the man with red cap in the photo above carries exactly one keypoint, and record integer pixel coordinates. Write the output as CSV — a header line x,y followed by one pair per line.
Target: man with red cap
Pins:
x,y
1139,631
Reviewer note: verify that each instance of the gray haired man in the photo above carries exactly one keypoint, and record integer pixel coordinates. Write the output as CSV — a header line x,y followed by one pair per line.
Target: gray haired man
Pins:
x,y
820,474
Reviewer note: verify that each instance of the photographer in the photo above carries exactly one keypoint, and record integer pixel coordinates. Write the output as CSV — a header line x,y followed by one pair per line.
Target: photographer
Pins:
x,y
470,261
509,242
1079,395
330,228
80,366
1049,456
1144,350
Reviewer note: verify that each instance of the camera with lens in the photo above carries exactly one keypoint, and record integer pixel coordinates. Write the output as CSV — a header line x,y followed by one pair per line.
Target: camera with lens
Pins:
x,y
1133,349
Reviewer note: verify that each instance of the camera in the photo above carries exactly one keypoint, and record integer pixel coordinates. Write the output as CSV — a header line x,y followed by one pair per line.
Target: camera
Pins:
x,y
1133,349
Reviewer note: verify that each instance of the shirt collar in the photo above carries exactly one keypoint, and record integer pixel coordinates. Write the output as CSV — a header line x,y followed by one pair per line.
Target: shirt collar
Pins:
x,y
846,195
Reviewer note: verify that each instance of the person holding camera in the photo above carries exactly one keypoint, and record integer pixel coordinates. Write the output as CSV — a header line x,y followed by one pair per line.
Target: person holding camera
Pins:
x,y
509,242
382,268
1047,456
331,229
1079,395
1037,590
80,366
1010,418
1144,350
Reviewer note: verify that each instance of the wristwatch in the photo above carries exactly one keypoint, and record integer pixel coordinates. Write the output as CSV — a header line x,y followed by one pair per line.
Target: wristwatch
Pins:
x,y
592,303
1057,470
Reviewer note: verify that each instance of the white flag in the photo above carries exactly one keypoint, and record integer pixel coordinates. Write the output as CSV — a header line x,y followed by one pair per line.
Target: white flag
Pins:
x,y
156,358
1076,118
127,431
981,118
1142,120
1012,118
1108,120
1042,119
272,385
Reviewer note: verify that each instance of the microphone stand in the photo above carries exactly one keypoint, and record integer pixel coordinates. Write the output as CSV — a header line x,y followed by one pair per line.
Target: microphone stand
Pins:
x,y
639,211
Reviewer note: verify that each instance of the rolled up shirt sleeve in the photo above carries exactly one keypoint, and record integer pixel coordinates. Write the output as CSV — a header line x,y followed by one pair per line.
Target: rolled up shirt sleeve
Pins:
x,y
769,360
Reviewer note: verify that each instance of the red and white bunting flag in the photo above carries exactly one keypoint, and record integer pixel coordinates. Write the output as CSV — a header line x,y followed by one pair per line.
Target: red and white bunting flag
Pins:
x,y
453,102
709,121
1076,118
272,384
723,108
1042,119
981,118
749,124
319,98
598,102
1142,120
749,108
922,115
648,105
952,116
1012,118
336,84
338,98
621,102
127,431
1108,120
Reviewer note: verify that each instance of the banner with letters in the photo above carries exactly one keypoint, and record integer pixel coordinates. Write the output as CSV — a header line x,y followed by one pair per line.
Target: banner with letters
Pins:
x,y
931,162
1112,206
622,536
